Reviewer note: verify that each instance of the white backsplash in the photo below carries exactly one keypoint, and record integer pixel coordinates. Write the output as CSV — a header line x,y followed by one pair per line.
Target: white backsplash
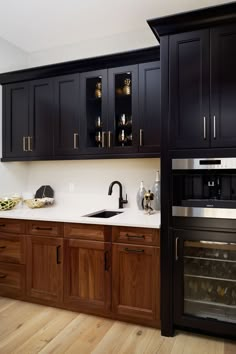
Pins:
x,y
90,179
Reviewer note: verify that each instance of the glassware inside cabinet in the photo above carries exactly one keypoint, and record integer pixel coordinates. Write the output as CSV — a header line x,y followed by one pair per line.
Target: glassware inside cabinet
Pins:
x,y
94,111
123,109
210,279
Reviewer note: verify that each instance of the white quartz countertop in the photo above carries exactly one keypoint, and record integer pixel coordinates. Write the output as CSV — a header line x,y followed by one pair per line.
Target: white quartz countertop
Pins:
x,y
72,211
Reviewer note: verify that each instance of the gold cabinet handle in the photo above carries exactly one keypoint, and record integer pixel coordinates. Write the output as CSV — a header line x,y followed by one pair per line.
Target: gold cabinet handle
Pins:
x,y
24,143
140,137
76,144
29,138
103,139
109,138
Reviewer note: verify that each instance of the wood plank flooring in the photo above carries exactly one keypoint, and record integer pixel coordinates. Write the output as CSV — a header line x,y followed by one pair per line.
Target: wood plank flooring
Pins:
x,y
29,329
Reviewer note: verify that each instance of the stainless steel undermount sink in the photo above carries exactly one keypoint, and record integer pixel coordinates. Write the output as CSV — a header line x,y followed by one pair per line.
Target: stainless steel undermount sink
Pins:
x,y
104,214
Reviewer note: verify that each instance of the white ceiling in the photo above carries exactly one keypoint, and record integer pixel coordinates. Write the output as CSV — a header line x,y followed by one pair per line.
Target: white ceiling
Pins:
x,y
35,25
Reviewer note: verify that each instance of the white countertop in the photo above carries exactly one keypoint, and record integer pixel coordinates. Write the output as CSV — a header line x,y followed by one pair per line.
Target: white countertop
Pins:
x,y
69,210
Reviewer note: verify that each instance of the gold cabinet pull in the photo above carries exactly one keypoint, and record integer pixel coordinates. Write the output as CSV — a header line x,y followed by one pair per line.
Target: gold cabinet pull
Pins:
x,y
109,138
140,137
103,139
24,143
76,144
29,138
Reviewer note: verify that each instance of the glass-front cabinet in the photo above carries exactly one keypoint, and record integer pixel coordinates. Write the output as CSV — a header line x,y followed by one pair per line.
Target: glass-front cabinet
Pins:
x,y
94,110
205,275
109,104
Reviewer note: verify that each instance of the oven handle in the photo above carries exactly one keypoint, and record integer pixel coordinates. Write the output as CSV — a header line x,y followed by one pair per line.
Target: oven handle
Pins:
x,y
176,248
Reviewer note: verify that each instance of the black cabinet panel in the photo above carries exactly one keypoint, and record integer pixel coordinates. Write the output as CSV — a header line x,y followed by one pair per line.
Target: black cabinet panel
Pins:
x,y
16,120
223,86
149,107
67,111
189,90
41,115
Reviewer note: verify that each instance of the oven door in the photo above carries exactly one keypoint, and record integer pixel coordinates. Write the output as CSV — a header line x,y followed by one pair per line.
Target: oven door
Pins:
x,y
205,280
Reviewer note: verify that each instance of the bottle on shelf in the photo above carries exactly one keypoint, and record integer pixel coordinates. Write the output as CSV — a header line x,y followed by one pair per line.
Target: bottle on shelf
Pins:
x,y
98,90
156,191
140,196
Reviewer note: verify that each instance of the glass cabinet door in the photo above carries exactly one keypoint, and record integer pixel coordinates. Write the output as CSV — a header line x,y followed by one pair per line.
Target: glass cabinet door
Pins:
x,y
123,101
209,273
94,110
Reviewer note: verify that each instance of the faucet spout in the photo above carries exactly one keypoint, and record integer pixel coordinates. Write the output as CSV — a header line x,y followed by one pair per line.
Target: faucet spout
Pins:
x,y
121,200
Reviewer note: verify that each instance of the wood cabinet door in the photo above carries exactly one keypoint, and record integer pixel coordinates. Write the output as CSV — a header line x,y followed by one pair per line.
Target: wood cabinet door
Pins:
x,y
44,269
149,107
41,113
136,282
223,83
15,120
67,110
87,275
189,90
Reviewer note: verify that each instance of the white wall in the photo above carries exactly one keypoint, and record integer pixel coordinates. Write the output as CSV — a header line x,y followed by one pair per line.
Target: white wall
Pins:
x,y
94,47
13,176
92,177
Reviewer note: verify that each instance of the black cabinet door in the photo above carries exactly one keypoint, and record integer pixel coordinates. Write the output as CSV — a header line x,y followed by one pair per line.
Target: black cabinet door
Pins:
x,y
15,120
122,135
223,86
94,103
41,118
149,107
189,90
66,123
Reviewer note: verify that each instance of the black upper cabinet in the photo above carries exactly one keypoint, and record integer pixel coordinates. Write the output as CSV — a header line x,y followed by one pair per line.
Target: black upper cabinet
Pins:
x,y
94,106
202,88
67,133
189,90
223,86
41,111
121,110
86,113
15,120
149,107
27,120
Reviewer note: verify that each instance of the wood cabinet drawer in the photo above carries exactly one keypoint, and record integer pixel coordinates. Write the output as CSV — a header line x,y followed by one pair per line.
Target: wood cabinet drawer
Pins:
x,y
136,235
12,248
12,280
12,226
88,232
45,228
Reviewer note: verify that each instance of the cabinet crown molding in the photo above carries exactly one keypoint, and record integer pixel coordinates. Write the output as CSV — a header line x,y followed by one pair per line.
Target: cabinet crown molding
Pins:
x,y
192,20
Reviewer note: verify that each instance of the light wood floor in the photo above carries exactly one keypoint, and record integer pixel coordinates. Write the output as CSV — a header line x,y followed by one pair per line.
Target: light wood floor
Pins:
x,y
29,329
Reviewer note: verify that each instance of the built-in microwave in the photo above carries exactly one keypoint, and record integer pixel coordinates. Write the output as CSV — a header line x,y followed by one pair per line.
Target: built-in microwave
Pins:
x,y
204,187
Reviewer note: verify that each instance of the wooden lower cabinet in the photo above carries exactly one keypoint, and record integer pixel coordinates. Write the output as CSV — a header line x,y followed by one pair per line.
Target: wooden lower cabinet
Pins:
x,y
12,280
136,283
44,271
87,275
113,271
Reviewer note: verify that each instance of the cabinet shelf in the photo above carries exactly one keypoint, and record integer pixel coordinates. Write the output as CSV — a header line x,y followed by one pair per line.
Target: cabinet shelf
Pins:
x,y
211,259
211,278
210,303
